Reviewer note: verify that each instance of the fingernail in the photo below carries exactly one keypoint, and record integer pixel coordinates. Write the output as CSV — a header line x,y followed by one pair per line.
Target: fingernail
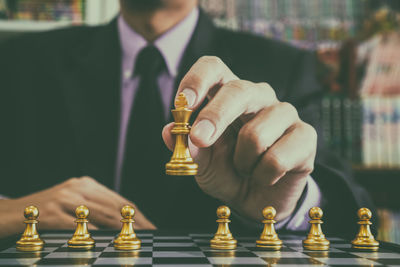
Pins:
x,y
203,130
190,96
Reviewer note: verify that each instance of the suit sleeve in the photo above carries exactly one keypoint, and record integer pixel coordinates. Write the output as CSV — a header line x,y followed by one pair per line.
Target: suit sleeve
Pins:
x,y
341,195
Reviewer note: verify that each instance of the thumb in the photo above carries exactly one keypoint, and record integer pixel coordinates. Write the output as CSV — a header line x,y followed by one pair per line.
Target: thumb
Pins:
x,y
169,140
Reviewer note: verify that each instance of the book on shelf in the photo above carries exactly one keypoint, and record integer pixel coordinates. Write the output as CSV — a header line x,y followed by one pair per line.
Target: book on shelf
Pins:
x,y
389,225
42,10
304,23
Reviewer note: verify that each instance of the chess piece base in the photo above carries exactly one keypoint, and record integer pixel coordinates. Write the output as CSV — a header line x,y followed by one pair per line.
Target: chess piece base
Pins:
x,y
316,244
269,244
223,244
81,244
365,244
122,244
181,168
30,245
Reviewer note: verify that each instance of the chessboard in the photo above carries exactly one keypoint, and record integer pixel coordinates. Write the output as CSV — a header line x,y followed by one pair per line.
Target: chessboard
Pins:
x,y
177,249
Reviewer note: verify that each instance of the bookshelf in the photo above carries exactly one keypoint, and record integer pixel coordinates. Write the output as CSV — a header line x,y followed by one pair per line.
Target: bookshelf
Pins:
x,y
93,12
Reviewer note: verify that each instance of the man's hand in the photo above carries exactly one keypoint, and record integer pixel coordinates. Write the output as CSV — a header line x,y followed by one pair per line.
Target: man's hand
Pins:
x,y
252,149
57,207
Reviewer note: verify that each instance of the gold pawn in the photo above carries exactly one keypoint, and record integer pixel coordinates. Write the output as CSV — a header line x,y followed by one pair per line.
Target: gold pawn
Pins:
x,y
181,162
269,239
127,239
30,239
81,238
223,238
316,239
365,239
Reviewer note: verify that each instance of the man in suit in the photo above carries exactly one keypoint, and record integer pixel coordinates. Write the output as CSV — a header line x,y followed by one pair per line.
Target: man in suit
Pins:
x,y
93,101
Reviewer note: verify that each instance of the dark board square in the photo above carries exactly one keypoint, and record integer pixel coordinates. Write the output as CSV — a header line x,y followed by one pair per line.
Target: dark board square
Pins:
x,y
67,249
66,261
388,261
292,261
231,254
23,255
176,249
126,254
173,261
329,254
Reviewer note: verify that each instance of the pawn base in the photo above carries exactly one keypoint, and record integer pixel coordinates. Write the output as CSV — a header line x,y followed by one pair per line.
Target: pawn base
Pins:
x,y
223,243
269,244
81,244
125,244
30,245
365,244
316,244
181,169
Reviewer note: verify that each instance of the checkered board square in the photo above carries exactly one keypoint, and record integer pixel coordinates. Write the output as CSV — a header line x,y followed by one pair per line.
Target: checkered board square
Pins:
x,y
160,249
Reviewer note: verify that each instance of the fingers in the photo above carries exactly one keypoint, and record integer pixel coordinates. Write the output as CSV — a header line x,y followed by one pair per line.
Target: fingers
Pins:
x,y
293,152
257,135
208,72
234,99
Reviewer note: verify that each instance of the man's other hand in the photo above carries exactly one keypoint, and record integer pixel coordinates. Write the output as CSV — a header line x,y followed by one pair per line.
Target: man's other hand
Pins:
x,y
252,149
57,207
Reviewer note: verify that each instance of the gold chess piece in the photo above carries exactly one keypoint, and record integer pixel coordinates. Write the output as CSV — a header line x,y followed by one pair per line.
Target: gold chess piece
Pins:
x,y
269,239
364,239
181,162
81,238
127,239
316,239
30,239
223,238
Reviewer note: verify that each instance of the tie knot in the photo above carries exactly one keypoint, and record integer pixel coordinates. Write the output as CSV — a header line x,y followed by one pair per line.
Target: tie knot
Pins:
x,y
149,62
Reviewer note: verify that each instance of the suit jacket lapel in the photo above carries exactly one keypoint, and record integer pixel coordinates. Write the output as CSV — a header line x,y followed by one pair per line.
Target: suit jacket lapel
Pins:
x,y
92,91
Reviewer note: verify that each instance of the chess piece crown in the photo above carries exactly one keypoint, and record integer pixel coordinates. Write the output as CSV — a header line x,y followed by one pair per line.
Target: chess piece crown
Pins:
x,y
181,162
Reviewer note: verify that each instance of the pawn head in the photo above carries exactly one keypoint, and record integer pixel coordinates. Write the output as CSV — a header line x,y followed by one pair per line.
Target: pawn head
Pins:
x,y
223,212
269,213
127,212
31,213
82,212
364,214
315,213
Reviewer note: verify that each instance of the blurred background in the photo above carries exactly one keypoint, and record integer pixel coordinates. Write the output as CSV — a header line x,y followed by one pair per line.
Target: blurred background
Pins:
x,y
358,48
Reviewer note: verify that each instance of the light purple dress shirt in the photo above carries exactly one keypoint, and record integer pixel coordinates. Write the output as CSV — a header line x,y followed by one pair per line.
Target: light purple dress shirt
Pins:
x,y
172,45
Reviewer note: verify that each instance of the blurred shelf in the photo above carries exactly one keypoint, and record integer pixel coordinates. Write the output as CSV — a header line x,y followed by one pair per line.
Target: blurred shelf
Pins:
x,y
28,26
382,184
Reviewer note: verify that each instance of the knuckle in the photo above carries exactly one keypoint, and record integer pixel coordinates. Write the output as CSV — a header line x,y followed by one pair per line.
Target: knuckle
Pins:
x,y
266,89
310,131
72,182
276,164
192,80
212,60
86,180
289,109
308,167
252,137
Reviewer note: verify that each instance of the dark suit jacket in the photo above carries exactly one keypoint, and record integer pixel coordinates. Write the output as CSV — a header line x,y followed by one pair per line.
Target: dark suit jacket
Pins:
x,y
60,93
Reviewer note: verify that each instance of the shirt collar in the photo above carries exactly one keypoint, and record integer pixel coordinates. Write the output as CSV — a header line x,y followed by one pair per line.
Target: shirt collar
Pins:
x,y
171,44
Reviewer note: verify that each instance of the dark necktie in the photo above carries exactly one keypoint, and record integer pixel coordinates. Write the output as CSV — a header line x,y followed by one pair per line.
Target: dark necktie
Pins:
x,y
145,152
